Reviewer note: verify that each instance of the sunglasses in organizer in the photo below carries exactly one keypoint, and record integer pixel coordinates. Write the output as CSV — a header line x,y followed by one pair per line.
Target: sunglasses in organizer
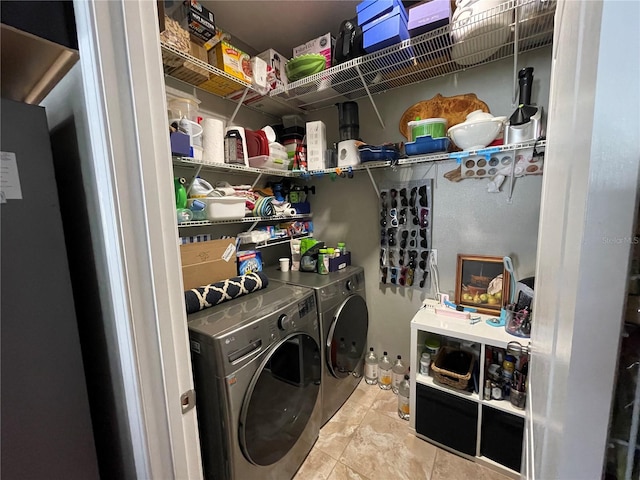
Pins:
x,y
404,222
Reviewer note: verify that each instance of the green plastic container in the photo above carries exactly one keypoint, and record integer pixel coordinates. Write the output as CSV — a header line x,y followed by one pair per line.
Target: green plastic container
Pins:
x,y
435,127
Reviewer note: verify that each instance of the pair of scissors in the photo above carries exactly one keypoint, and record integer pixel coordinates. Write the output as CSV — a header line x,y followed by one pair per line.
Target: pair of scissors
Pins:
x,y
508,266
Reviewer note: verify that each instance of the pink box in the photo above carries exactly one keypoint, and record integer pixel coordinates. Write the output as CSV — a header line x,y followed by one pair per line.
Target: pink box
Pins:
x,y
323,45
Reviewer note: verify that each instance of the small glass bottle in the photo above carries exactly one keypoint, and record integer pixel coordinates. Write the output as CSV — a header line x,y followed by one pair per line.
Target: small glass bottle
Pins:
x,y
342,247
384,372
404,390
371,368
397,374
486,394
425,364
508,365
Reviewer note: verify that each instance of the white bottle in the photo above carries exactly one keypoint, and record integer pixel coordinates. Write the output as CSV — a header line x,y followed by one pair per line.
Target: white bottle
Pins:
x,y
398,372
425,364
403,398
371,368
384,372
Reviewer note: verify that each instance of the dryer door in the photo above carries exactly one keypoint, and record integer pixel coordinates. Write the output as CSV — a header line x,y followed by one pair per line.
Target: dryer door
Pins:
x,y
347,338
280,399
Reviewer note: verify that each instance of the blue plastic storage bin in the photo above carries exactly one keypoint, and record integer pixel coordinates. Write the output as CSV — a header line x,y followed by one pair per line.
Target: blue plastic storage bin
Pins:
x,y
426,144
372,9
378,153
385,32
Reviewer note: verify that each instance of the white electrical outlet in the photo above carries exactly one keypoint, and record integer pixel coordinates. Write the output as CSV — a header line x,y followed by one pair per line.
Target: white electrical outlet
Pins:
x,y
434,252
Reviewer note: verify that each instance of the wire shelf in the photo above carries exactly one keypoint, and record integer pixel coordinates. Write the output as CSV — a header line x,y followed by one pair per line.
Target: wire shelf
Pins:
x,y
516,26
402,162
231,168
484,38
273,218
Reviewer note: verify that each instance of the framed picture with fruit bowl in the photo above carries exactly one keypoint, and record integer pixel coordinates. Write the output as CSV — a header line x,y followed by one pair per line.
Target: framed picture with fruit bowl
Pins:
x,y
482,283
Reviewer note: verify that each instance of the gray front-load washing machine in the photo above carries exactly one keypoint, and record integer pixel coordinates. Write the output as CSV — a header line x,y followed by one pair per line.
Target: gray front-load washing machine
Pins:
x,y
257,372
344,324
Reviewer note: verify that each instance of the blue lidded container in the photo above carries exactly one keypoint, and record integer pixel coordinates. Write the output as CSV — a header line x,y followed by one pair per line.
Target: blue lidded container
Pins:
x,y
426,144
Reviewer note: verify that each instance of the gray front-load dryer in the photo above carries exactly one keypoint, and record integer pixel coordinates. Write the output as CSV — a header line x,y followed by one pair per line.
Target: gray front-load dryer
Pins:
x,y
257,373
344,322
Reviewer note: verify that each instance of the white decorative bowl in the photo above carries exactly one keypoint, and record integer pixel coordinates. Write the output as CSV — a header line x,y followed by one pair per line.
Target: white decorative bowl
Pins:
x,y
475,135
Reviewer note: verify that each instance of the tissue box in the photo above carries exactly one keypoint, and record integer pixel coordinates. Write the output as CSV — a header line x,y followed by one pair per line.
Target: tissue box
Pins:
x,y
276,61
249,261
323,45
208,262
428,16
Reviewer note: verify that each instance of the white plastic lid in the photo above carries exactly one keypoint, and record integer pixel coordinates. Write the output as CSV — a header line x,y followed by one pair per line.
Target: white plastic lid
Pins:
x,y
426,355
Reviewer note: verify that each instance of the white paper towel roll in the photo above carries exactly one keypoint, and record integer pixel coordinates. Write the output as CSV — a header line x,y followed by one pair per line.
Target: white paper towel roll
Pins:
x,y
213,140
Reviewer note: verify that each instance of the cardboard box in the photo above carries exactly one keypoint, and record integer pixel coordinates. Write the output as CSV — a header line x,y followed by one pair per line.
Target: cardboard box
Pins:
x,y
208,262
323,45
316,145
277,62
231,60
199,21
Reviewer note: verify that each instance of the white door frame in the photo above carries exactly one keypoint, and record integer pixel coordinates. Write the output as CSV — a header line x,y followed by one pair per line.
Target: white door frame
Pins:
x,y
123,85
588,207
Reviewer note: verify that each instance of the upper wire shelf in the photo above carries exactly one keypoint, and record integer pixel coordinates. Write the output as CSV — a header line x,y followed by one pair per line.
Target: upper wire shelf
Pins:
x,y
481,39
515,27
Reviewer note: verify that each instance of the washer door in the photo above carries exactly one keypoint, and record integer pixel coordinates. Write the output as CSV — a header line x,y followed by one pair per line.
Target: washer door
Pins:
x,y
280,399
347,338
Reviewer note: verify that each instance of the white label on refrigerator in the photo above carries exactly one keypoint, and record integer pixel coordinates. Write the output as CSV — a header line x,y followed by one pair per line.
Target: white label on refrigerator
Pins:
x,y
9,179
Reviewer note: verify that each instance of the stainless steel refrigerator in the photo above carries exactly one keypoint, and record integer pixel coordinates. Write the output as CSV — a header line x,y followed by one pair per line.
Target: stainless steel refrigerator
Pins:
x,y
46,423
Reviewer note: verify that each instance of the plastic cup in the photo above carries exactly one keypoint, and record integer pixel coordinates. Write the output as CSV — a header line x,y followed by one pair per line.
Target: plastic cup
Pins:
x,y
284,264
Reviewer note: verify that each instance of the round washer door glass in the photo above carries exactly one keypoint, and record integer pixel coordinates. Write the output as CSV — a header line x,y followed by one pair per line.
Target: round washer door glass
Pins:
x,y
280,399
347,337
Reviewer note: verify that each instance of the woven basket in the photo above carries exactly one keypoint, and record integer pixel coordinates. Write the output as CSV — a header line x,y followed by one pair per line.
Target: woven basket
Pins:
x,y
449,378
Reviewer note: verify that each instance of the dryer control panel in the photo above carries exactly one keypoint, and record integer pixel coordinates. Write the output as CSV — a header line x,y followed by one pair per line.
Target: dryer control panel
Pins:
x,y
334,293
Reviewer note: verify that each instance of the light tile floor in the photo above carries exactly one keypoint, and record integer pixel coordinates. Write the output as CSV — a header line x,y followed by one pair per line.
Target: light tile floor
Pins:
x,y
366,440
